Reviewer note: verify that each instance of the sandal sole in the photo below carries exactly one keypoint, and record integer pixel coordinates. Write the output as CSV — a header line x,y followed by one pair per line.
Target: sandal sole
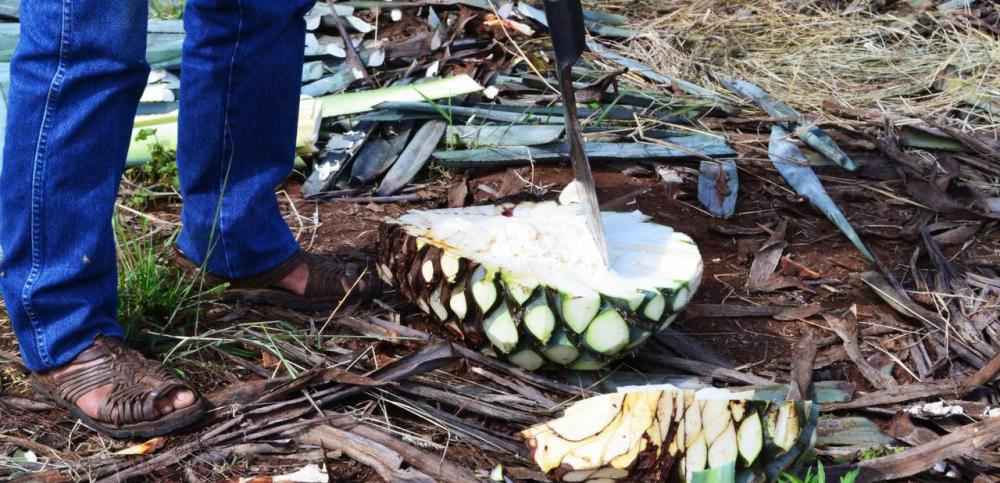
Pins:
x,y
279,298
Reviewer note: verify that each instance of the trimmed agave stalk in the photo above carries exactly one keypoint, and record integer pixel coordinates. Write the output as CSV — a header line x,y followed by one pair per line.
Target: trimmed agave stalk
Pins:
x,y
165,128
493,275
677,435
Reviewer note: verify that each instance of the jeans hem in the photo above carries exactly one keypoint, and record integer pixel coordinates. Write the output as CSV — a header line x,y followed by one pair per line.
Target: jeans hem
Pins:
x,y
108,329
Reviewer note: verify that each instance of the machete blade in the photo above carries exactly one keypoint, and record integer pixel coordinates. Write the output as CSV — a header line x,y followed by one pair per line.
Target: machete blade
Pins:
x,y
565,19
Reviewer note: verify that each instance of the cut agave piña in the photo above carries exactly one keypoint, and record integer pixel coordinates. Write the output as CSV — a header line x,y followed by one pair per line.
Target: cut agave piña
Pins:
x,y
647,434
527,279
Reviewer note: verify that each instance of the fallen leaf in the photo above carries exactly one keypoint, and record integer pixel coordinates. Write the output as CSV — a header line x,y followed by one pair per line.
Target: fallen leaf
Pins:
x,y
796,269
143,448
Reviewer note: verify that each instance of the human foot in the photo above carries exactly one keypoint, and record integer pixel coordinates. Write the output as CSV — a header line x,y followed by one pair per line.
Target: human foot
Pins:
x,y
306,281
118,392
296,281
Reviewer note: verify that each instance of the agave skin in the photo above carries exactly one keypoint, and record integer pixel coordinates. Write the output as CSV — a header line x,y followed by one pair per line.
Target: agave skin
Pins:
x,y
456,291
667,435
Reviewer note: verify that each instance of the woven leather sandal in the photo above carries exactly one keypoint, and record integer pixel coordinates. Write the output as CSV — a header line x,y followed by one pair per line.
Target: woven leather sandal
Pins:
x,y
130,409
332,280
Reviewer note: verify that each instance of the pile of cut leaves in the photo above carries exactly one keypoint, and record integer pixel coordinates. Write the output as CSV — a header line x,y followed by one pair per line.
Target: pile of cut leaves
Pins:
x,y
863,243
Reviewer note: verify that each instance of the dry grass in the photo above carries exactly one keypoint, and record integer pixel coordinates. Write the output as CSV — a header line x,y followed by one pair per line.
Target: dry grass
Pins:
x,y
916,64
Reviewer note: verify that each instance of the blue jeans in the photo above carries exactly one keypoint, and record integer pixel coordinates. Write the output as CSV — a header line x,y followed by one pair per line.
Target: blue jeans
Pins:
x,y
76,79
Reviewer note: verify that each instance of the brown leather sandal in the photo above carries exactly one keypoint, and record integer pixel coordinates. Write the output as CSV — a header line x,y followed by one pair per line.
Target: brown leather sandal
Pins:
x,y
332,280
130,410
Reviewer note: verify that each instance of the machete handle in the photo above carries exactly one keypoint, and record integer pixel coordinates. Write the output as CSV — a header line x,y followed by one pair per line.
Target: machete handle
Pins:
x,y
565,18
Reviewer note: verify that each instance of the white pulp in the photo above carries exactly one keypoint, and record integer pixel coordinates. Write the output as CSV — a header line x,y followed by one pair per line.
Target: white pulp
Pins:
x,y
551,244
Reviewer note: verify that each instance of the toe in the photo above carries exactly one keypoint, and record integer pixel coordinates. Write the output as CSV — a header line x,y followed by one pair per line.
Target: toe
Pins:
x,y
174,400
183,398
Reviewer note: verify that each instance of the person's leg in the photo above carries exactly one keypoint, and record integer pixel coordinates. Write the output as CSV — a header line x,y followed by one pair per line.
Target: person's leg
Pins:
x,y
76,78
240,82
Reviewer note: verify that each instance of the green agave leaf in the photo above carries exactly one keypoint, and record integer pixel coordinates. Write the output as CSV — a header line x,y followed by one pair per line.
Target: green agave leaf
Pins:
x,y
813,136
793,166
413,158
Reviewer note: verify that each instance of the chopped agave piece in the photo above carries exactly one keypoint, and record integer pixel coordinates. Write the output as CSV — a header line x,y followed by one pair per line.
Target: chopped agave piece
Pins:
x,y
559,299
650,434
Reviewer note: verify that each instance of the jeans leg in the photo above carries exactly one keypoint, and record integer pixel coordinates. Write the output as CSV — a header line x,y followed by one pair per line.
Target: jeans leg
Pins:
x,y
76,78
241,74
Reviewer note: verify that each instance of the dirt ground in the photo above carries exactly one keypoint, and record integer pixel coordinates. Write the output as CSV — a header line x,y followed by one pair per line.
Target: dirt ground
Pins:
x,y
760,345
257,364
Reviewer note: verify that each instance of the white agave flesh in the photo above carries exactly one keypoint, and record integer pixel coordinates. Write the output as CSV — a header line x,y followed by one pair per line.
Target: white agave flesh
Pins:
x,y
459,304
437,305
501,330
549,243
605,474
640,412
714,416
449,266
723,450
749,438
611,430
587,417
527,359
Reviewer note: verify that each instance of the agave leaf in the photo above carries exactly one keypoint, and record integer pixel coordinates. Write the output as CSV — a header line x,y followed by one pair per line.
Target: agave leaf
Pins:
x,y
165,55
515,135
718,183
364,101
808,414
793,166
313,70
370,4
603,112
10,8
887,293
452,113
338,153
815,137
655,76
850,431
917,138
507,156
593,23
339,80
378,154
413,158
10,33
605,18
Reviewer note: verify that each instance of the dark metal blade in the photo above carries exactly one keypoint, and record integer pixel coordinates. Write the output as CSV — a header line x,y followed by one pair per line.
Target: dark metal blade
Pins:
x,y
568,38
